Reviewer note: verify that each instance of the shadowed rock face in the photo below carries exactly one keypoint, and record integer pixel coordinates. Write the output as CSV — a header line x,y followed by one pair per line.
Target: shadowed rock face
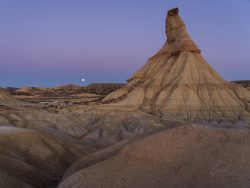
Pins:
x,y
32,158
178,82
36,146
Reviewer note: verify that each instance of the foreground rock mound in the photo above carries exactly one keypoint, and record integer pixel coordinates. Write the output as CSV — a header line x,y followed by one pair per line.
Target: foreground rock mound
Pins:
x,y
189,156
178,82
30,158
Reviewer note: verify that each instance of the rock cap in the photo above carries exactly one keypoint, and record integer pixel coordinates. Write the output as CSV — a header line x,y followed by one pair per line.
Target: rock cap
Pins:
x,y
173,12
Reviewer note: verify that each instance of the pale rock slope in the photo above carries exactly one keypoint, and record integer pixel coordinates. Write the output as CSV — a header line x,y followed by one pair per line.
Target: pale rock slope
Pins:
x,y
177,82
6,98
186,156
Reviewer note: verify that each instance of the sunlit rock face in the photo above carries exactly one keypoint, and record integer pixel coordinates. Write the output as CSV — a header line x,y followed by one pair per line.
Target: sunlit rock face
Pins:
x,y
177,82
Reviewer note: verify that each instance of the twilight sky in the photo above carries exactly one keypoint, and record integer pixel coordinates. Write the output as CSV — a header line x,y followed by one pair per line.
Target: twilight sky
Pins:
x,y
55,42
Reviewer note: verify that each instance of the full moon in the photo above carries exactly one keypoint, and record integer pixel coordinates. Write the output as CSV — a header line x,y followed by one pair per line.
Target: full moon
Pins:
x,y
83,80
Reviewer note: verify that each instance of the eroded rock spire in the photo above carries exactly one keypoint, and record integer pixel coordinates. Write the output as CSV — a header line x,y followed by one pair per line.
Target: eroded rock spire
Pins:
x,y
177,82
177,35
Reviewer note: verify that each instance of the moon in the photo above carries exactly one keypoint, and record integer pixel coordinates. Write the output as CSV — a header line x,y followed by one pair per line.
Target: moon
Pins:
x,y
83,80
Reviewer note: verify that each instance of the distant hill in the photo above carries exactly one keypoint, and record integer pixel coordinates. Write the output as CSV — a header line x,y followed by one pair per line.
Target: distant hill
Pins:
x,y
12,89
67,90
29,89
68,87
244,83
95,88
102,88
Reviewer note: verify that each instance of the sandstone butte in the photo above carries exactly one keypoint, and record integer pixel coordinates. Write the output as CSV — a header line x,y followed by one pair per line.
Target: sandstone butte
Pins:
x,y
177,82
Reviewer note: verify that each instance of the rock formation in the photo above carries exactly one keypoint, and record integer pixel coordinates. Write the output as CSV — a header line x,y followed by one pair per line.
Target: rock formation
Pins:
x,y
37,145
188,156
31,158
6,98
178,82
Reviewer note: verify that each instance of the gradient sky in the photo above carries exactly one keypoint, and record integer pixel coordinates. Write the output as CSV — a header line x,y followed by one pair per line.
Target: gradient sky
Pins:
x,y
55,42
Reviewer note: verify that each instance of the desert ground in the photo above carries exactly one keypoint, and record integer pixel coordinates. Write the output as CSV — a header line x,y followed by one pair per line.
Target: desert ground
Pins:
x,y
176,123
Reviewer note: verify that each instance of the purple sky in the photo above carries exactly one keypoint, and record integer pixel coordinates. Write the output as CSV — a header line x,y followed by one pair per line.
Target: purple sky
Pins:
x,y
55,42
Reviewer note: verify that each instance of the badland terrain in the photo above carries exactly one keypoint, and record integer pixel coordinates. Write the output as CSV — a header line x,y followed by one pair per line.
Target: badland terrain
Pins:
x,y
176,123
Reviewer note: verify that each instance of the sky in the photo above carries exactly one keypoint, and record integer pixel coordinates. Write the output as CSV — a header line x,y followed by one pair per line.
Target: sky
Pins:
x,y
47,43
